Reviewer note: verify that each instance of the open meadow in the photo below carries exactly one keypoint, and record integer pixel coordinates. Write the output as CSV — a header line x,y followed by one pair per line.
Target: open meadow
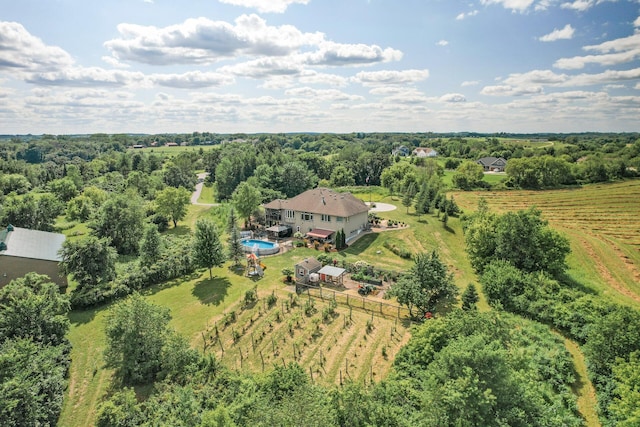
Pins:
x,y
602,222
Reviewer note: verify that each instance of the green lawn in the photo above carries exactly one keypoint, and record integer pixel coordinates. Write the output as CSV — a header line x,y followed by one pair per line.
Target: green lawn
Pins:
x,y
208,194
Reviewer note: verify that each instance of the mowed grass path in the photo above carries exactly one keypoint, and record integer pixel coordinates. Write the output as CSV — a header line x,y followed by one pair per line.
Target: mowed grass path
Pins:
x,y
602,222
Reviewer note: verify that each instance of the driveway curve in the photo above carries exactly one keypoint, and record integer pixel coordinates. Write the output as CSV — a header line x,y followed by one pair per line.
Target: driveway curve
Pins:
x,y
196,194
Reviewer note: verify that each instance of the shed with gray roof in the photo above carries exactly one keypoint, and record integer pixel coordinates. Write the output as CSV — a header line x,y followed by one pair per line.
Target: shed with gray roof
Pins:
x,y
23,251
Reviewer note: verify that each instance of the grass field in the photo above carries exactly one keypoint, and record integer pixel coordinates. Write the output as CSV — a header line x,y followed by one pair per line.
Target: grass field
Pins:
x,y
602,223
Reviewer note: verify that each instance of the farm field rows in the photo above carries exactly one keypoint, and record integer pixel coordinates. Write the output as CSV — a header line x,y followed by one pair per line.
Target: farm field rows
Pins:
x,y
333,344
602,222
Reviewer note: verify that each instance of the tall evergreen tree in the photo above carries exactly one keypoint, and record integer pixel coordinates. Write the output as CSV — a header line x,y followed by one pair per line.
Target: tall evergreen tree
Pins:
x,y
470,297
207,249
236,251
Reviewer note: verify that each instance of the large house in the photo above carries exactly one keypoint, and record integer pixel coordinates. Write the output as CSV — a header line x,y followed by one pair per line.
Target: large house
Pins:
x,y
424,152
24,251
318,214
492,164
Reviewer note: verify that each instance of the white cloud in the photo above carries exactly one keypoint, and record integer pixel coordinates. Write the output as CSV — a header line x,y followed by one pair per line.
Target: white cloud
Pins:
x,y
371,78
583,5
514,5
442,43
87,77
203,41
508,90
453,97
469,83
564,34
114,62
464,15
264,6
20,51
192,79
626,49
323,94
637,86
636,23
337,54
579,5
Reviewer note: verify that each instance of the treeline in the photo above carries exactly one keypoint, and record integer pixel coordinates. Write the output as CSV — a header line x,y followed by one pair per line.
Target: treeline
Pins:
x,y
486,369
521,262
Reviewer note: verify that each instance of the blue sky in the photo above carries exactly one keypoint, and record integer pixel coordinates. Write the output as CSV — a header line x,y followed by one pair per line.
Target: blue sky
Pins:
x,y
153,66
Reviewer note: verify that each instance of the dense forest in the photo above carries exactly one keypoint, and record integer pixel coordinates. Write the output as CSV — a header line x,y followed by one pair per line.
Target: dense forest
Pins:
x,y
115,197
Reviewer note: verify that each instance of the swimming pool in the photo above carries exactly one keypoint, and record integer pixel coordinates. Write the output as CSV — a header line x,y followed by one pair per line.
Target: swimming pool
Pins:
x,y
260,247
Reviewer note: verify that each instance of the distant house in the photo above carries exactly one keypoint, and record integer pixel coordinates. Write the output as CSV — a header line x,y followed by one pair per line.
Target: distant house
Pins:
x,y
492,164
171,144
23,251
424,152
138,146
319,213
400,151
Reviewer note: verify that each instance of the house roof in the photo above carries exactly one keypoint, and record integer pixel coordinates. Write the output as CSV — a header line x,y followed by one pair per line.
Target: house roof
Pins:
x,y
33,244
310,264
425,150
332,271
322,201
489,161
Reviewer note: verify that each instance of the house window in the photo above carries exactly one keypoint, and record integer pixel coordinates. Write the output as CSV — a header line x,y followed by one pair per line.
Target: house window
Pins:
x,y
298,229
326,218
339,219
306,216
289,214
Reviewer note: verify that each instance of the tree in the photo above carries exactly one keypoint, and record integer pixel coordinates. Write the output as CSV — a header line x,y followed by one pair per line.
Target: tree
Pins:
x,y
32,307
207,250
523,238
136,332
427,283
173,202
32,382
409,194
120,219
626,407
246,199
151,246
30,212
64,188
470,297
296,178
91,261
341,176
423,201
236,251
14,182
468,175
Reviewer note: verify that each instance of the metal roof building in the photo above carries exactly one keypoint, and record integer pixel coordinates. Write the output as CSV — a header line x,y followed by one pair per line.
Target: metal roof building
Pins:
x,y
23,251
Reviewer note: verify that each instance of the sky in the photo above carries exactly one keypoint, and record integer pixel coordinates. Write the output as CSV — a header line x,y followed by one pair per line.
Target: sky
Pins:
x,y
247,66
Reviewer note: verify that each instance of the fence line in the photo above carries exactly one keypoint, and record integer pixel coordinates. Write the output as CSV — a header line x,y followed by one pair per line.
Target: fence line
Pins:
x,y
357,302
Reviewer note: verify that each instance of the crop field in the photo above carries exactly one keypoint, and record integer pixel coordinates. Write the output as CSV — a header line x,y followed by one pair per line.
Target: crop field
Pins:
x,y
602,223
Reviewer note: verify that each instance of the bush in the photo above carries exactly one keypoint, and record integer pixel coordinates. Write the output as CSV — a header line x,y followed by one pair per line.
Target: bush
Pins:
x,y
272,299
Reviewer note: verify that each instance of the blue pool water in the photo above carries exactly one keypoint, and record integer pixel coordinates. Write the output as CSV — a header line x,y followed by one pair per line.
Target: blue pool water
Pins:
x,y
261,244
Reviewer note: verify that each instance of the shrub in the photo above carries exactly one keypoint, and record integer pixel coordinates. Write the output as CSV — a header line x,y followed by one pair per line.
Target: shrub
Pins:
x,y
272,299
250,297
